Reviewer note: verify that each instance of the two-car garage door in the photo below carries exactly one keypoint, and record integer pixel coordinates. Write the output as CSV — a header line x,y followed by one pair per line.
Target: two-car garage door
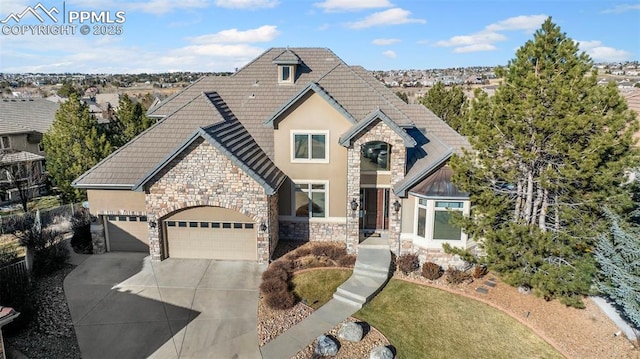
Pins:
x,y
211,232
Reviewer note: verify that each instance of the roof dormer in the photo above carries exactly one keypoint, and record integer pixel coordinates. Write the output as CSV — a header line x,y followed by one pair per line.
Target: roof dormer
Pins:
x,y
287,63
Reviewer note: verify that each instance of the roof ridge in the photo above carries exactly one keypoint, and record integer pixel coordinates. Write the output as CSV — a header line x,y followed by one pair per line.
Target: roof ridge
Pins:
x,y
168,99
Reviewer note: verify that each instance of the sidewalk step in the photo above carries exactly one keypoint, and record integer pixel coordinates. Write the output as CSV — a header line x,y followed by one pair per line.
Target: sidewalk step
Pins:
x,y
349,298
371,272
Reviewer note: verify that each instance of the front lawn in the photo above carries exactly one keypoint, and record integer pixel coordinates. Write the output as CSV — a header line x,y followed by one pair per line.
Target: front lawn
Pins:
x,y
424,322
316,289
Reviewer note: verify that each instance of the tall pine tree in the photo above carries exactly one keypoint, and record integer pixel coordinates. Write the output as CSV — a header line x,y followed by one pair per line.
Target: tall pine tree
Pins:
x,y
74,143
550,149
448,104
129,121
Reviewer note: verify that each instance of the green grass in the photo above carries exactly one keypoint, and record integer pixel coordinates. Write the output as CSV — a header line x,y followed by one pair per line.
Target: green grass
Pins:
x,y
424,322
316,287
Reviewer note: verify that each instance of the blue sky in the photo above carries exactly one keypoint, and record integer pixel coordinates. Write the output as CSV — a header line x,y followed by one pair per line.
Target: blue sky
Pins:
x,y
221,35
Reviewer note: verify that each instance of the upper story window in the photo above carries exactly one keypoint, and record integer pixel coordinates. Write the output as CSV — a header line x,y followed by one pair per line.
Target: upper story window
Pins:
x,y
286,74
309,146
374,156
5,142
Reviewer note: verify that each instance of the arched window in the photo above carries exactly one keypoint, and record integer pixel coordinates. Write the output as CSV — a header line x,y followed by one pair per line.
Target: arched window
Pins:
x,y
375,156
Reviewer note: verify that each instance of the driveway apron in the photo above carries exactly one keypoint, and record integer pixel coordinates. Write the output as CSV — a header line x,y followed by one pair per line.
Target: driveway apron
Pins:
x,y
124,305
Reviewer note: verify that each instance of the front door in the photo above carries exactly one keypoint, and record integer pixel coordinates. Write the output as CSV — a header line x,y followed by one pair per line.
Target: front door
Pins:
x,y
375,209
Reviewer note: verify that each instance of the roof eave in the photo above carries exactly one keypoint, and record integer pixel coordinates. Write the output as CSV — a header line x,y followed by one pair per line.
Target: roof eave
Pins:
x,y
403,186
345,139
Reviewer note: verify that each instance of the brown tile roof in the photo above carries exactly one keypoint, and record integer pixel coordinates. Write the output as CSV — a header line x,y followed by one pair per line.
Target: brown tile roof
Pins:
x,y
254,96
26,115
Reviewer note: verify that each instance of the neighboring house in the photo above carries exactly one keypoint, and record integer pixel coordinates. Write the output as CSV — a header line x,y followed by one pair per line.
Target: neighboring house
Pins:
x,y
22,124
296,145
7,315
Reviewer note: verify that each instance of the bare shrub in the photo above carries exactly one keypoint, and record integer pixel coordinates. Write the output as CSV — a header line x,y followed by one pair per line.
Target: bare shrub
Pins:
x,y
479,271
348,260
275,273
431,271
273,285
408,263
457,276
280,300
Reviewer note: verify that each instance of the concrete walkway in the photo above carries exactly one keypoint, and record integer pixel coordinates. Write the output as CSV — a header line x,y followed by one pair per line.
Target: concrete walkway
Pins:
x,y
370,274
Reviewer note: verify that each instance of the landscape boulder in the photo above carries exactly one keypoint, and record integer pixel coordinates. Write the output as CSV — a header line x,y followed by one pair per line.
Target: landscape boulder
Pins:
x,y
381,352
351,331
326,346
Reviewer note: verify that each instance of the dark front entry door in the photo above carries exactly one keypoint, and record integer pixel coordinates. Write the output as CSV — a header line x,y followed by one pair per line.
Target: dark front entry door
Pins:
x,y
375,204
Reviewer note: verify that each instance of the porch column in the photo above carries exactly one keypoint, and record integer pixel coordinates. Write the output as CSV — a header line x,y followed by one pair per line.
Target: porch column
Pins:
x,y
353,192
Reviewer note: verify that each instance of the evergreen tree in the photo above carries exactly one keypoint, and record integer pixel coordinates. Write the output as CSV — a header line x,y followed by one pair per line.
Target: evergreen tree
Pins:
x,y
450,105
74,143
618,256
129,121
550,149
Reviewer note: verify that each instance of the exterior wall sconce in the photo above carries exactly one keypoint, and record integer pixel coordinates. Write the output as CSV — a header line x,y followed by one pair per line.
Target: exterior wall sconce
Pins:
x,y
354,205
263,227
152,224
396,206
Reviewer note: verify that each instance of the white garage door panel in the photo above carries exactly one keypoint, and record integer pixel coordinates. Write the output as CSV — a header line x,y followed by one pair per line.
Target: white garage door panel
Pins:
x,y
127,233
215,242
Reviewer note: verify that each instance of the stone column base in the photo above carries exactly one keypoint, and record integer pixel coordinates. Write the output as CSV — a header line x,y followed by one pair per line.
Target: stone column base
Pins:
x,y
98,239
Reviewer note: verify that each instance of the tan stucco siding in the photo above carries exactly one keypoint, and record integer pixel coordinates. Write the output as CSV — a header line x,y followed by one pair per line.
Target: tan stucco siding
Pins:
x,y
408,214
375,179
116,201
313,113
20,142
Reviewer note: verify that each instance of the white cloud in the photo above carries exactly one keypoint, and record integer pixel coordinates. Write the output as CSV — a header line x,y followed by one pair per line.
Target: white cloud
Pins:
x,y
395,16
264,33
619,9
474,48
598,52
477,38
485,39
246,4
528,23
159,7
390,54
384,42
351,5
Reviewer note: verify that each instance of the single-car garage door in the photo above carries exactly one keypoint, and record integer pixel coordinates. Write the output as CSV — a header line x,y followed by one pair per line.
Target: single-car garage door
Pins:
x,y
211,232
127,233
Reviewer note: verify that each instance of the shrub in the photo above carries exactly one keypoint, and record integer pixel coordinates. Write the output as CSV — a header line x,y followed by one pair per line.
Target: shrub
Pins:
x,y
347,260
431,271
479,271
273,285
275,273
284,264
302,251
280,300
408,263
81,226
457,276
51,254
329,250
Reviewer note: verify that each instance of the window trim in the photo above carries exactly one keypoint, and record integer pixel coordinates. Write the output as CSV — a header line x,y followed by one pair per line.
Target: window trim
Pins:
x,y
431,209
292,74
309,134
310,182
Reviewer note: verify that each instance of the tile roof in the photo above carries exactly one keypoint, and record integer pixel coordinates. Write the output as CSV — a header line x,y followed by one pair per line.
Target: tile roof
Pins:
x,y
232,139
19,156
254,97
287,57
26,115
346,138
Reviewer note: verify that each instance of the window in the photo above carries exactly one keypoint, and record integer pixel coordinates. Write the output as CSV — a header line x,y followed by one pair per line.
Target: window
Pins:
x,y
226,225
310,200
193,224
204,224
143,218
237,226
248,226
182,224
374,156
441,229
122,218
285,74
5,142
133,218
171,224
310,147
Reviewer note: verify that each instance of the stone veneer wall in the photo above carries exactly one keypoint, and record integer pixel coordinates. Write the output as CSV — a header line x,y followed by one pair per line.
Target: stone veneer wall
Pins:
x,y
202,176
376,131
312,231
438,256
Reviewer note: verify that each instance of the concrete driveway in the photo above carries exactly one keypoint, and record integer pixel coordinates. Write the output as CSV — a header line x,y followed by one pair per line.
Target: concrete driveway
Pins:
x,y
125,306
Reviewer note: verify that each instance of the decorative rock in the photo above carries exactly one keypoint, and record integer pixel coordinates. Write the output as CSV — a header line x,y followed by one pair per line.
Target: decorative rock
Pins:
x,y
326,346
523,289
381,353
350,331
